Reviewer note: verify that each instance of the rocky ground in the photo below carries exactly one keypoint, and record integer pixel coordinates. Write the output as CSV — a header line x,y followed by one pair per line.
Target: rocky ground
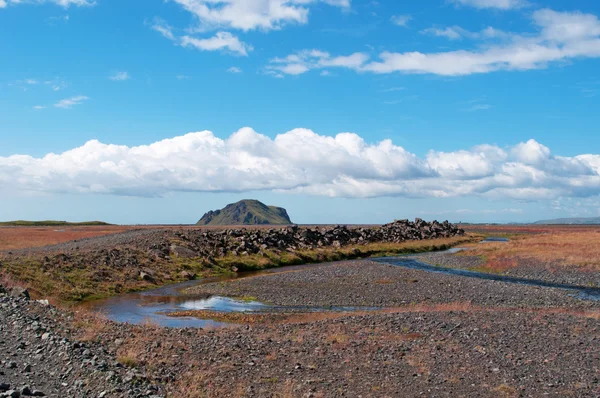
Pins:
x,y
502,341
43,354
528,268
431,335
369,283
444,353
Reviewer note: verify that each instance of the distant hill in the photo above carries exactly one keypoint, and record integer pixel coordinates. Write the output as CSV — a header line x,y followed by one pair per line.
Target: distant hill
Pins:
x,y
574,221
50,223
246,212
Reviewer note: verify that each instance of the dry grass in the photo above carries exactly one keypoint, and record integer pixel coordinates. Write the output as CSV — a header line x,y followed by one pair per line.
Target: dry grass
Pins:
x,y
563,247
89,324
13,238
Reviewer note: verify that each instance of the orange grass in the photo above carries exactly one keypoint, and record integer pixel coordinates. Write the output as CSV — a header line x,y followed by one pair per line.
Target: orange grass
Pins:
x,y
576,248
13,238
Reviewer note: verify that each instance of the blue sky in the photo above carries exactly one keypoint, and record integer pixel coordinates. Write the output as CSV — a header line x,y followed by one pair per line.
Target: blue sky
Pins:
x,y
473,110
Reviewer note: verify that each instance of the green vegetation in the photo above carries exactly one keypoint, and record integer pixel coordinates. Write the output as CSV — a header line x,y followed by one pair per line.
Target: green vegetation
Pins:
x,y
82,277
272,259
246,212
51,223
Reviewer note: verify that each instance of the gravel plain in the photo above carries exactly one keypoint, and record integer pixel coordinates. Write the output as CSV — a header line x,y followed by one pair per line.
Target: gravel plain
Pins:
x,y
373,284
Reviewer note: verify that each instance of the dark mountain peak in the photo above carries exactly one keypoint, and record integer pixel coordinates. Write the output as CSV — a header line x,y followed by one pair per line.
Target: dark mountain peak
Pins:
x,y
246,212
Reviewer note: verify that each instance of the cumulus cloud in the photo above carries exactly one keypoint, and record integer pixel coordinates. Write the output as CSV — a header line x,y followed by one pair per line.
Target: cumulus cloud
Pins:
x,y
234,69
62,3
560,36
251,15
301,160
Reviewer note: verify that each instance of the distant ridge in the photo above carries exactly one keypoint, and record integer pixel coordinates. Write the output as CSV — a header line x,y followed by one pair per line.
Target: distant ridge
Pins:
x,y
571,221
246,212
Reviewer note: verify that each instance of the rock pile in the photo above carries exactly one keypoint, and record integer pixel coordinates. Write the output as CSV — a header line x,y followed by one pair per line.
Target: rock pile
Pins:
x,y
194,243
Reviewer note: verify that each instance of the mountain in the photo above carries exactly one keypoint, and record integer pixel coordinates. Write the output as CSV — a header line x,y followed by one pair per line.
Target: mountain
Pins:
x,y
578,221
246,212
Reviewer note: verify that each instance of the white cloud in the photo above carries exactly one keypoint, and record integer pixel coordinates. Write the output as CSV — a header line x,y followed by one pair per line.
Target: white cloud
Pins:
x,y
303,61
561,36
457,32
62,3
39,107
252,14
120,76
452,32
401,20
234,69
303,161
498,4
220,41
163,28
68,103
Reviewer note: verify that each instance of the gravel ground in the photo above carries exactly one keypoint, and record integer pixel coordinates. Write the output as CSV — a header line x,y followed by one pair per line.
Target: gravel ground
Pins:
x,y
367,283
433,354
528,268
480,350
41,356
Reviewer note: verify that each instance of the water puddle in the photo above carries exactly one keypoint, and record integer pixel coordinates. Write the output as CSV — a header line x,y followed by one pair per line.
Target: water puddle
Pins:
x,y
153,306
493,239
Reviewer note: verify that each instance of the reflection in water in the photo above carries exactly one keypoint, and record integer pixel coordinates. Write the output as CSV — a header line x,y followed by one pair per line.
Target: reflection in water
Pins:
x,y
223,304
154,305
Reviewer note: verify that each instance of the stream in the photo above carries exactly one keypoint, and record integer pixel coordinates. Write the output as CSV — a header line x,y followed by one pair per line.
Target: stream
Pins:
x,y
154,305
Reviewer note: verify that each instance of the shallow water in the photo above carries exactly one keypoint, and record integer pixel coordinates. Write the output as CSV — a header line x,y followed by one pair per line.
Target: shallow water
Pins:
x,y
154,305
582,292
493,239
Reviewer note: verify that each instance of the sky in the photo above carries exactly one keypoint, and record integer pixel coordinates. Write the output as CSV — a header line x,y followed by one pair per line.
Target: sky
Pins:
x,y
341,111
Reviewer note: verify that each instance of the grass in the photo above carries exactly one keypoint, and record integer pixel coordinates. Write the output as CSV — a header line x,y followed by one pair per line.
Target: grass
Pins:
x,y
567,248
83,277
51,223
25,237
273,259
